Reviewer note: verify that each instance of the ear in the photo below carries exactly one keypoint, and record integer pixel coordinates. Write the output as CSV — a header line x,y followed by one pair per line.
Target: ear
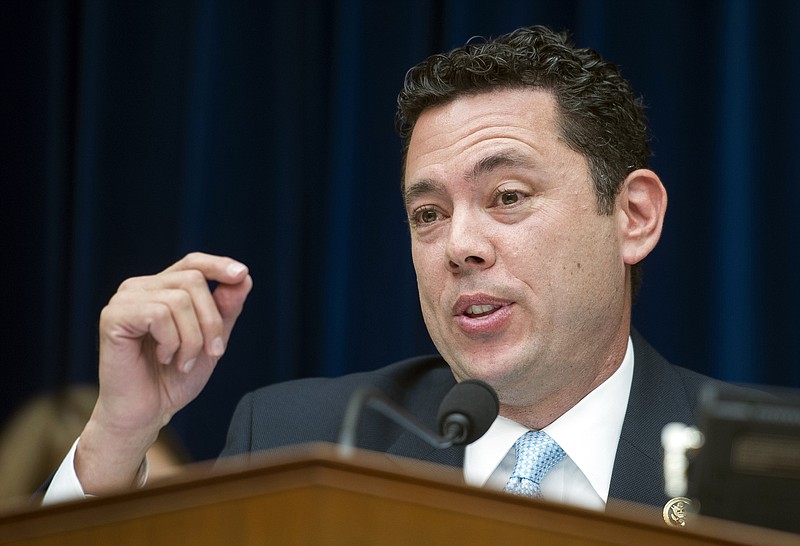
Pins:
x,y
641,206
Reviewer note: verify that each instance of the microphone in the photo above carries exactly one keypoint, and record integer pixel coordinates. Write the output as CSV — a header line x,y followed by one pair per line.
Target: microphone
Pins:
x,y
467,411
465,414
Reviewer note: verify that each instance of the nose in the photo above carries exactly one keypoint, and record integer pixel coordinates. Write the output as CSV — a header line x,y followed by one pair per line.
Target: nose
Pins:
x,y
469,245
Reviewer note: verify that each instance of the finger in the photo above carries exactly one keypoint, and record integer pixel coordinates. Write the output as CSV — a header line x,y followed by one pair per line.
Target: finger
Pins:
x,y
194,284
181,304
122,323
215,268
192,273
230,302
165,333
162,313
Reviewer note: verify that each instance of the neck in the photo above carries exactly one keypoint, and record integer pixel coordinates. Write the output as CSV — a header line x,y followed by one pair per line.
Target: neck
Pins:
x,y
547,407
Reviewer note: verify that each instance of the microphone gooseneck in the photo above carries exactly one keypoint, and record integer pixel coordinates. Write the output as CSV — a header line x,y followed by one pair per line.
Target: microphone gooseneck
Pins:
x,y
465,414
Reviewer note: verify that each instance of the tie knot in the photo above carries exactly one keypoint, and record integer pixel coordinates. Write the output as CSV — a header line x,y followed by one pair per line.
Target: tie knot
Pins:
x,y
536,454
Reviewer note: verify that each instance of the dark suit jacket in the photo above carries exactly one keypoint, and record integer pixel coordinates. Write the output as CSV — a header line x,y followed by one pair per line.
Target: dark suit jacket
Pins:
x,y
310,410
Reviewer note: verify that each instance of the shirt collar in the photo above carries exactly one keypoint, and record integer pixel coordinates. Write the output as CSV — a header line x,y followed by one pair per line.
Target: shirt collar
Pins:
x,y
588,432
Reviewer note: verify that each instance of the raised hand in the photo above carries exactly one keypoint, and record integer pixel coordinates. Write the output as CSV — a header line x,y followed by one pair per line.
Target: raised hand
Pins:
x,y
160,338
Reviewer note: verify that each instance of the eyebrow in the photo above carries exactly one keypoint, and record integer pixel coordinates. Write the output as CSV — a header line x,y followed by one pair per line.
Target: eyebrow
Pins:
x,y
427,186
499,160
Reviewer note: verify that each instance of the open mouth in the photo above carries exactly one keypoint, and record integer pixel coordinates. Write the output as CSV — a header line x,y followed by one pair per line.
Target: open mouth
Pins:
x,y
479,311
481,314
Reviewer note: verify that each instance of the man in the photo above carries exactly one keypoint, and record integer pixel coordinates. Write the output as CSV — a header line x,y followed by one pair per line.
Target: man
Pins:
x,y
530,204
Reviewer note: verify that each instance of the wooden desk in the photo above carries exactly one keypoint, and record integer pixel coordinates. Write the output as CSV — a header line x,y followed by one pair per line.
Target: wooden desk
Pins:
x,y
315,495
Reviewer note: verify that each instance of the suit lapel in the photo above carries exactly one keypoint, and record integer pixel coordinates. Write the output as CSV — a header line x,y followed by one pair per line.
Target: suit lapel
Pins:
x,y
658,396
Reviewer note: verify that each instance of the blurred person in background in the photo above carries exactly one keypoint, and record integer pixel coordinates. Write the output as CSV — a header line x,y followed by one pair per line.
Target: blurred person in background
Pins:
x,y
35,439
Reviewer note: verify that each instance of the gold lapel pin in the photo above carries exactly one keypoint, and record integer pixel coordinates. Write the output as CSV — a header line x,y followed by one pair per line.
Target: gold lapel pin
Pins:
x,y
676,511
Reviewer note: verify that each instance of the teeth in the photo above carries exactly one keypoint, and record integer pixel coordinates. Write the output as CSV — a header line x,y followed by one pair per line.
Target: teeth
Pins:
x,y
480,309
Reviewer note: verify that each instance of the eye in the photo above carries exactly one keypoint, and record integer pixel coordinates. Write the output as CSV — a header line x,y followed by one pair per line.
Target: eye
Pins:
x,y
509,197
426,215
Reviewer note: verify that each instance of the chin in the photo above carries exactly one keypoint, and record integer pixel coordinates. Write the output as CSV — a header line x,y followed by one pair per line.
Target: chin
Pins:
x,y
497,372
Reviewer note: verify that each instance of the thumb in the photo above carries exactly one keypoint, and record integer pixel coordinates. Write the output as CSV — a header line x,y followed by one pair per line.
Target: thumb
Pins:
x,y
230,300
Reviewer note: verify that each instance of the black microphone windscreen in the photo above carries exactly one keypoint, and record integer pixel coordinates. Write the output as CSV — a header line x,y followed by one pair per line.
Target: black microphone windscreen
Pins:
x,y
474,399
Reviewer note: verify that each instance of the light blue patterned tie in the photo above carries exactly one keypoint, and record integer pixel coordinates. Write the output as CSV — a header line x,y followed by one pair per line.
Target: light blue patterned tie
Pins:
x,y
536,454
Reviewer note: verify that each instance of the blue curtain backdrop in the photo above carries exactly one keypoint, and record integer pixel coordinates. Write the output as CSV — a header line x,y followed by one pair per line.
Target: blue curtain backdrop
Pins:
x,y
134,132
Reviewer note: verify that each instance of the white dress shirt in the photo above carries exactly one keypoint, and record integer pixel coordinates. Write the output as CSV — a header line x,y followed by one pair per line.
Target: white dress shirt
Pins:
x,y
66,486
589,433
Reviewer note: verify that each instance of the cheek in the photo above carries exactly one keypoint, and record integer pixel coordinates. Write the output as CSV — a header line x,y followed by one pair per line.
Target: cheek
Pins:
x,y
427,281
561,260
593,265
530,253
428,259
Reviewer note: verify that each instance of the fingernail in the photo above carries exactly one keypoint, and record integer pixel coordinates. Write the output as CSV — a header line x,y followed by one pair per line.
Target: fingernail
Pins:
x,y
217,347
188,365
236,268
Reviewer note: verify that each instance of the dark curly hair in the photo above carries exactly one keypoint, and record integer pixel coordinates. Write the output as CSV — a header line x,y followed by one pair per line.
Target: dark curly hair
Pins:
x,y
599,116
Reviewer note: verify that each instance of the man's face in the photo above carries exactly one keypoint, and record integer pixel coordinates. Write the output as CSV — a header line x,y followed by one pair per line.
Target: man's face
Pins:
x,y
521,282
